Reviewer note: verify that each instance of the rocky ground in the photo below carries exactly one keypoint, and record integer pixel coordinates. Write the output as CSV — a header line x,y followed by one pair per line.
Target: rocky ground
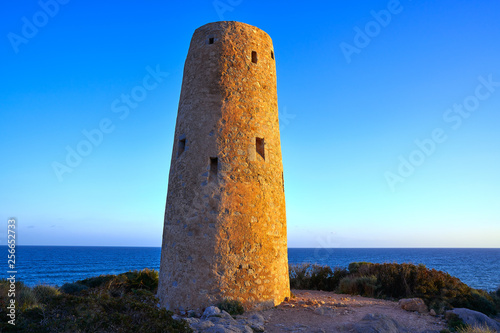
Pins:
x,y
319,311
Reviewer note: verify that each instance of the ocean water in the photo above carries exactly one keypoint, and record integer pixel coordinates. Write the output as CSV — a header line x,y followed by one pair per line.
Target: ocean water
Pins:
x,y
56,265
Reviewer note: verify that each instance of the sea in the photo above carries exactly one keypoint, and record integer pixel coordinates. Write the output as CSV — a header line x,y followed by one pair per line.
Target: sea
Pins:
x,y
56,265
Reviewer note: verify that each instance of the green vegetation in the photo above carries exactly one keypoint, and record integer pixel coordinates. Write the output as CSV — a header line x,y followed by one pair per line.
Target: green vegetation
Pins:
x,y
233,307
455,322
359,285
439,290
315,277
107,303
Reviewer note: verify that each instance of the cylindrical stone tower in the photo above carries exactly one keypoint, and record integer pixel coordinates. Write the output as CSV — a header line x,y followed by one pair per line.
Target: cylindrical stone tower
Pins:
x,y
225,223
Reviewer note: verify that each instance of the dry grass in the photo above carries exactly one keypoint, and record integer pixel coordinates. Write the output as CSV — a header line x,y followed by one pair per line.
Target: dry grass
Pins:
x,y
475,329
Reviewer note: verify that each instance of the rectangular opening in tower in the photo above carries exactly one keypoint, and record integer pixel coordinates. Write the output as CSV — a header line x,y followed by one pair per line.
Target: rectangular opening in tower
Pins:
x,y
182,147
259,146
211,40
272,55
254,57
214,169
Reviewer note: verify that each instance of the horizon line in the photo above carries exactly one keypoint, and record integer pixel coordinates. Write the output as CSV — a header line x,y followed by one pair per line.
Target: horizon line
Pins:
x,y
313,248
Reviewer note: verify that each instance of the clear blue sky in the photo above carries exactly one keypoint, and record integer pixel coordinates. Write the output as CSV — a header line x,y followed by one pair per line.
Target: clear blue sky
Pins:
x,y
390,118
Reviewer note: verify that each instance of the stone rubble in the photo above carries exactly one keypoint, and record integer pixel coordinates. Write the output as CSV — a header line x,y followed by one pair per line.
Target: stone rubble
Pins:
x,y
319,312
214,320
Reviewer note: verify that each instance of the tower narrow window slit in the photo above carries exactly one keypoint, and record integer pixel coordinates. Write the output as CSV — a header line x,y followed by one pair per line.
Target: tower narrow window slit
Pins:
x,y
254,57
182,147
214,169
259,146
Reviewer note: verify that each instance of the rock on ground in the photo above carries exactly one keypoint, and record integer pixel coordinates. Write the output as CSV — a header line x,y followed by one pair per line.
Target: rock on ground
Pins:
x,y
377,323
315,311
214,320
475,318
413,304
211,311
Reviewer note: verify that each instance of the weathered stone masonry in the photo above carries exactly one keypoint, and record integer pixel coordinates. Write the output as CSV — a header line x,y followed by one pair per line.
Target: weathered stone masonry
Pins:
x,y
225,223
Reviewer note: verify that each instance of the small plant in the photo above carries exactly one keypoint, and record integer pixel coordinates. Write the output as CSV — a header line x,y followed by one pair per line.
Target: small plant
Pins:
x,y
44,293
123,283
455,322
233,307
25,296
475,329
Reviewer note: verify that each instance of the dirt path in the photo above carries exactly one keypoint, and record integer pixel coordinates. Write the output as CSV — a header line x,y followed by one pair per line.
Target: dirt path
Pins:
x,y
320,311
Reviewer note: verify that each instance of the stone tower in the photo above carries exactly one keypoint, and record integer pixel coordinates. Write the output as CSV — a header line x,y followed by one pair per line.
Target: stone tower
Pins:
x,y
225,223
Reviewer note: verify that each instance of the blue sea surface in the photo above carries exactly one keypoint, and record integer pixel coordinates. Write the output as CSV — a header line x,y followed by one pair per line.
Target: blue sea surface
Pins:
x,y
56,265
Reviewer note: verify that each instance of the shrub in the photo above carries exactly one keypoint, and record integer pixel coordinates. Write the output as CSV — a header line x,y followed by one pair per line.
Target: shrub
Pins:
x,y
97,281
25,297
478,300
315,277
361,285
439,290
299,276
72,288
77,307
355,266
495,295
44,293
126,282
320,277
145,279
338,275
233,307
